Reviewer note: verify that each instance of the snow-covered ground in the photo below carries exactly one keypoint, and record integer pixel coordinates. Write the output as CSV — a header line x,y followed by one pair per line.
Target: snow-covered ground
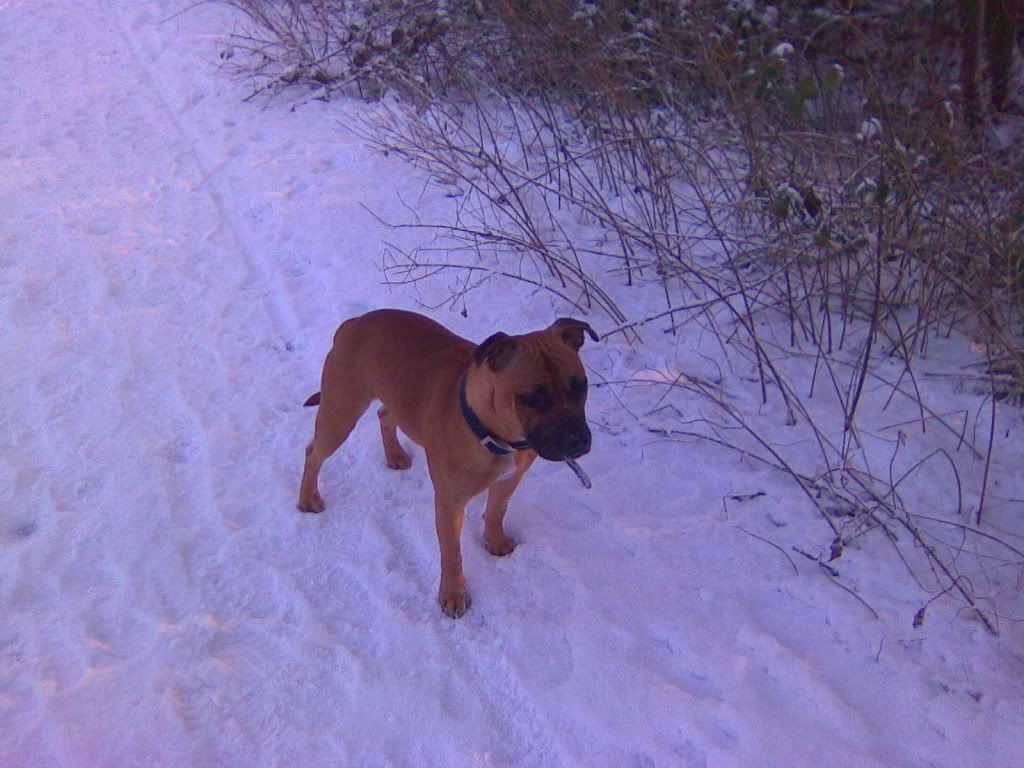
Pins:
x,y
173,262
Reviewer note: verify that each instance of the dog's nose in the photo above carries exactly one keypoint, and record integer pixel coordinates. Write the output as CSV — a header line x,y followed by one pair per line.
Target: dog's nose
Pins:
x,y
577,442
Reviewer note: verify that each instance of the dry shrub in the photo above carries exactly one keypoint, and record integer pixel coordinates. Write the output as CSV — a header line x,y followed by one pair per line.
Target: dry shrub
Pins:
x,y
413,47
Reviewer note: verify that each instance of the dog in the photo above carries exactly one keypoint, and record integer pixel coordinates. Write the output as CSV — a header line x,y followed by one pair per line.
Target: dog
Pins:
x,y
483,413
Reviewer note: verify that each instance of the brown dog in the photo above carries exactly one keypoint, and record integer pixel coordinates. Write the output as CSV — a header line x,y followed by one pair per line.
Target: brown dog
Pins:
x,y
482,414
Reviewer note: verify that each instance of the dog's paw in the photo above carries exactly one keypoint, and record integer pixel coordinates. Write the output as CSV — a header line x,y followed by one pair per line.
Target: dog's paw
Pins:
x,y
312,504
499,545
455,601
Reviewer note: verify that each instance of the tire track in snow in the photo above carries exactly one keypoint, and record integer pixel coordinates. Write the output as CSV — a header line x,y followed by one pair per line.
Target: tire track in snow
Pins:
x,y
253,577
283,315
257,317
335,597
206,265
525,739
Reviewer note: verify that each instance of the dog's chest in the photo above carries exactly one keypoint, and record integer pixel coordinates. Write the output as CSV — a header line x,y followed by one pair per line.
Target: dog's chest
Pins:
x,y
504,468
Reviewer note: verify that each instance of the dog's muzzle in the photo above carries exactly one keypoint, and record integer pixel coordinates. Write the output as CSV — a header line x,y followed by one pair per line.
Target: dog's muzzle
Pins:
x,y
561,441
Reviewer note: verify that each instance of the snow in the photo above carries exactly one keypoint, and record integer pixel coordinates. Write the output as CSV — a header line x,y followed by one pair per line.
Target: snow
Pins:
x,y
870,129
173,262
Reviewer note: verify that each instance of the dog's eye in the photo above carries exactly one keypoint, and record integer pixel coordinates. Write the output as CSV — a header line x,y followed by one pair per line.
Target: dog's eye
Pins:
x,y
577,388
538,400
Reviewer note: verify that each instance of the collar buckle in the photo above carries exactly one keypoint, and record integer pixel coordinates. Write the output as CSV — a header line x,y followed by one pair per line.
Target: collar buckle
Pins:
x,y
494,446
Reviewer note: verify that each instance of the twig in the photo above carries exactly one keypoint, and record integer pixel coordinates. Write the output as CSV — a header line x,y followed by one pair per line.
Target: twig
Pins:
x,y
796,571
835,580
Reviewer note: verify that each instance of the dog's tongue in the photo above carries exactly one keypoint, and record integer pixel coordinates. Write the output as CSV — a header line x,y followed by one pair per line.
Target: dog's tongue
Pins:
x,y
579,473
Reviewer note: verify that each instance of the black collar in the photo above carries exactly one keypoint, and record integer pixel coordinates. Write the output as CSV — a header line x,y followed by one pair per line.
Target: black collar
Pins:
x,y
489,440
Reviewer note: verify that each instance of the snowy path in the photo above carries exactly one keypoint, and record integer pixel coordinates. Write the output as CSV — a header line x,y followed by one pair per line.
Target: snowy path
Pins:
x,y
172,264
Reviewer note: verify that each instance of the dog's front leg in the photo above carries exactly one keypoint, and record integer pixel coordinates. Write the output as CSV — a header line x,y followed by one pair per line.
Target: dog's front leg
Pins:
x,y
495,539
449,516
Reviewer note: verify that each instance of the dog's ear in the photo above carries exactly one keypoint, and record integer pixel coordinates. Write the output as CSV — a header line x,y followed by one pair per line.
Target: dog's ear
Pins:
x,y
571,331
496,350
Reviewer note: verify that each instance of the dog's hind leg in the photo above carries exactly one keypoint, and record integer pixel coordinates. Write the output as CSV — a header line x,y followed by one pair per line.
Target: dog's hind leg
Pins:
x,y
395,454
335,420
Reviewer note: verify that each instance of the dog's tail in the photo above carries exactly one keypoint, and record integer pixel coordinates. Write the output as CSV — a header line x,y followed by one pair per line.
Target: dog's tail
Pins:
x,y
313,400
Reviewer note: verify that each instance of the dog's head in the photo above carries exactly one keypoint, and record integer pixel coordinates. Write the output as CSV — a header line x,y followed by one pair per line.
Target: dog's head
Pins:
x,y
540,387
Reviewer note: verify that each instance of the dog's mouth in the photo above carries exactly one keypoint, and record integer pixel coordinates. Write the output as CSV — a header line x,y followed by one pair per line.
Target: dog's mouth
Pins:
x,y
559,444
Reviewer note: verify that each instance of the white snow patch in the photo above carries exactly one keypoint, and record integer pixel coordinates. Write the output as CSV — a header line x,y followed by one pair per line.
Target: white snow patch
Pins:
x,y
783,50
